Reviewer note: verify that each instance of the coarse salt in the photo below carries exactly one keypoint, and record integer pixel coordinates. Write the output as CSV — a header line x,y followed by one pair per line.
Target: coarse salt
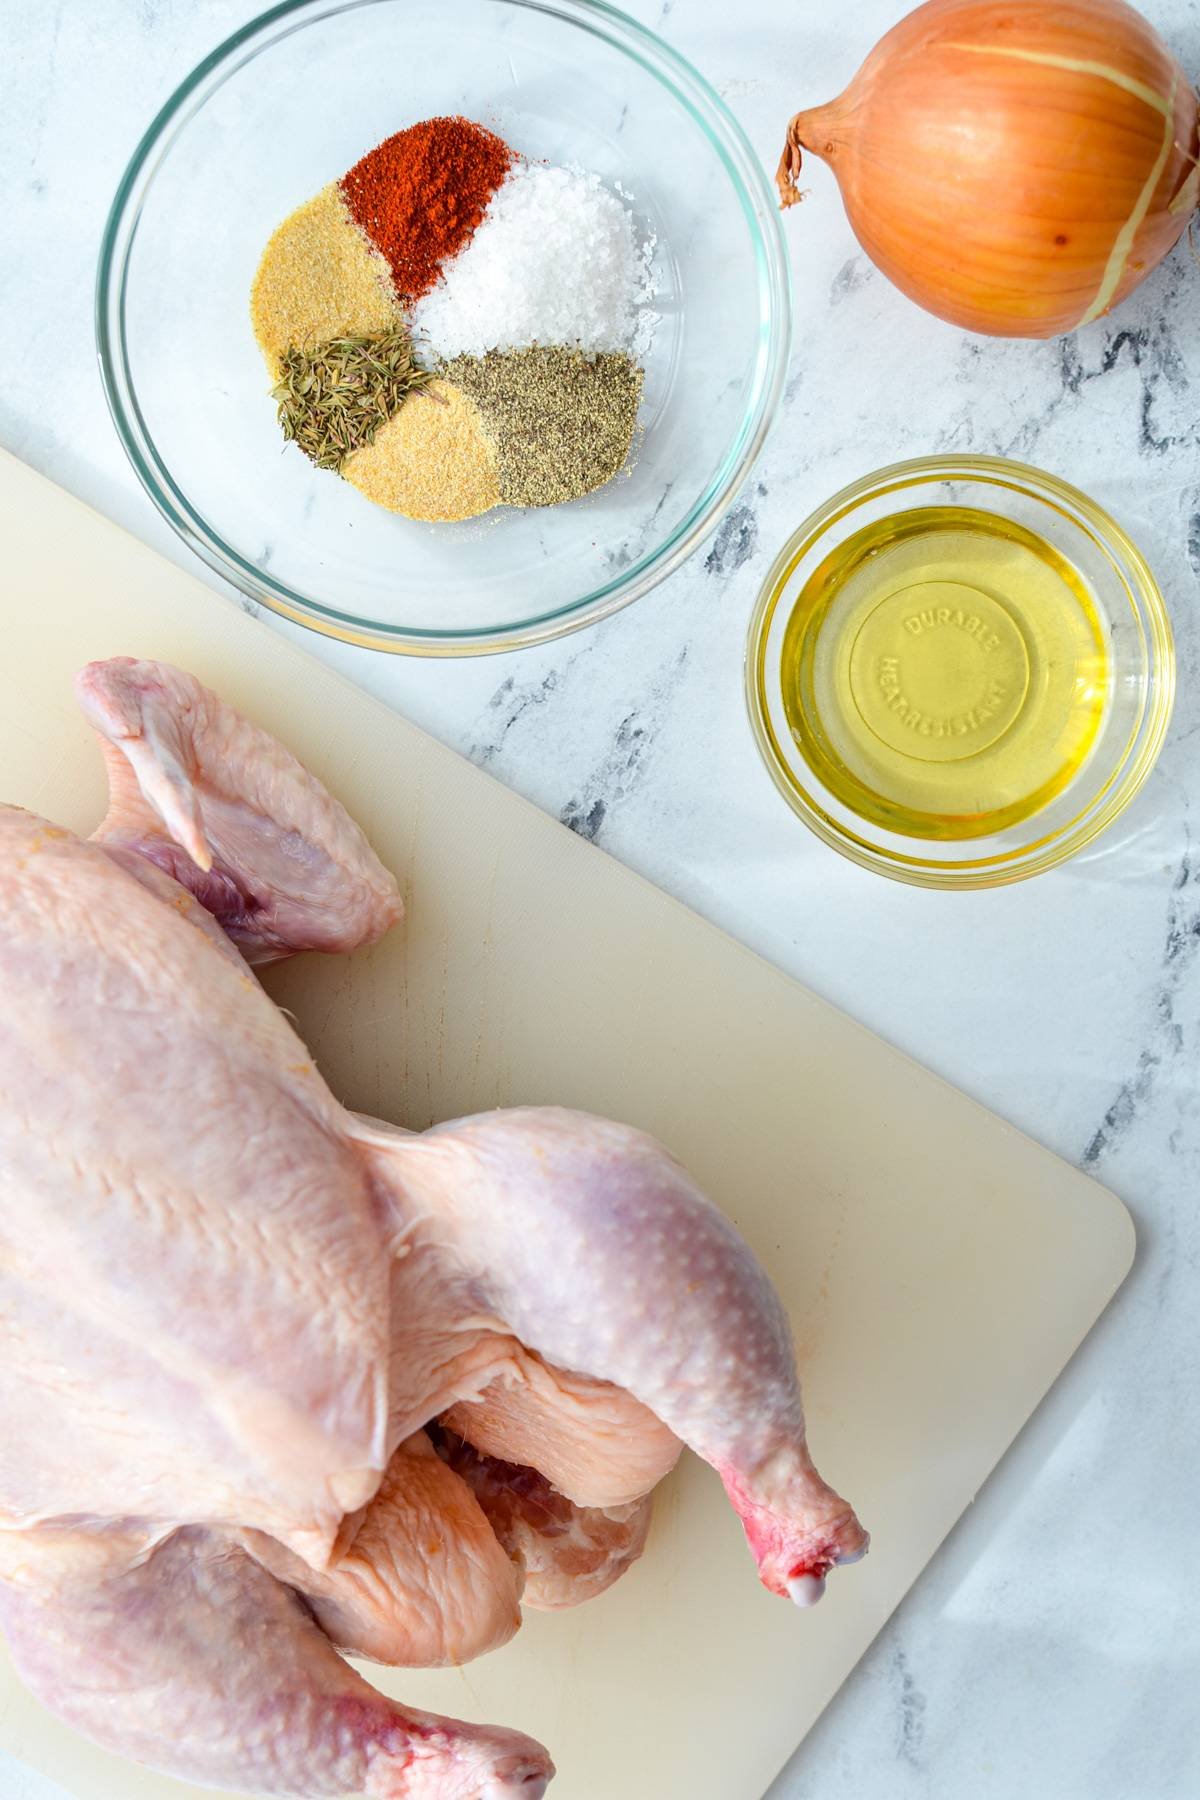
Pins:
x,y
556,260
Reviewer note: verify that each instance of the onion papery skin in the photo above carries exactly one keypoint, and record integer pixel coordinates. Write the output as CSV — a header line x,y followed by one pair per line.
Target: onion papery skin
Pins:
x,y
1000,179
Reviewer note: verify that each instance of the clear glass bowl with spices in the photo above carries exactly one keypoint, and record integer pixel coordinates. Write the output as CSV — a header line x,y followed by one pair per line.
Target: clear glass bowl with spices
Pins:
x,y
265,124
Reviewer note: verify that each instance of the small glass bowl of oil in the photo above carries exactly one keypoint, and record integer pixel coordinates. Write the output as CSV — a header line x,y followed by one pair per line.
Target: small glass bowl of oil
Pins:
x,y
960,670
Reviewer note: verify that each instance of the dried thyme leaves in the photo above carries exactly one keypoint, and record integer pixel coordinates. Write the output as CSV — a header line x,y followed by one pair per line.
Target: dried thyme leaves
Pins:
x,y
334,398
562,422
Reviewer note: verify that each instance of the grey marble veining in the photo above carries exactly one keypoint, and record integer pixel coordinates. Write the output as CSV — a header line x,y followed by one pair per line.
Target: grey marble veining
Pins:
x,y
1052,1651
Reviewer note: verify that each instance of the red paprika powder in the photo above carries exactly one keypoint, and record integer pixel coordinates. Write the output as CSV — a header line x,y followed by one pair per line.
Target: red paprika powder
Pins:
x,y
420,194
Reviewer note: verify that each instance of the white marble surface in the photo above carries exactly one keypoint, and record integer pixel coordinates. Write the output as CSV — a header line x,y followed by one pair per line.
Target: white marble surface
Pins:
x,y
1053,1650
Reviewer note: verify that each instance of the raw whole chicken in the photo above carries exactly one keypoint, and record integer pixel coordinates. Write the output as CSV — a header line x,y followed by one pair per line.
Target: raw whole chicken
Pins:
x,y
278,1382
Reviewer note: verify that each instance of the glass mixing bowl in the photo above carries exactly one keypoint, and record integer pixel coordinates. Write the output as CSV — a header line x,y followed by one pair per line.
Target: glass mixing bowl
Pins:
x,y
888,638
283,107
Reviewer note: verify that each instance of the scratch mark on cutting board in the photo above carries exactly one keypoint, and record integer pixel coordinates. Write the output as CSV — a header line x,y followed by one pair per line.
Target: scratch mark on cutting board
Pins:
x,y
338,995
502,1088
487,958
373,985
444,958
809,1329
351,1018
401,1011
413,903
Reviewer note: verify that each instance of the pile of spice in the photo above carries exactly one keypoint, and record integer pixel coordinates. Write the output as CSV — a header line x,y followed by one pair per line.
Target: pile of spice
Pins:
x,y
333,400
419,195
319,279
432,460
451,328
555,261
561,422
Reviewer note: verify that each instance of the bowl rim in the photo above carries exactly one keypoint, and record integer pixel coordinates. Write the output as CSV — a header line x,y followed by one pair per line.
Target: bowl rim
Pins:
x,y
1124,780
732,146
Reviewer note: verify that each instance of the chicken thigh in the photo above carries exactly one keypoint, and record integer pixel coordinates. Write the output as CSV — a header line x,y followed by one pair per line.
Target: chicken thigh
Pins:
x,y
229,1309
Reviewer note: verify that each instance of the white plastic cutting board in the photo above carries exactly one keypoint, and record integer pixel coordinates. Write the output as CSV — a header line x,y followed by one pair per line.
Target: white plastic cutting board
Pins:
x,y
939,1267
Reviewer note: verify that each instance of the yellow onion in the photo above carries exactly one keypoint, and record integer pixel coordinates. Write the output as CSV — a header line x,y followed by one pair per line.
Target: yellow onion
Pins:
x,y
1015,166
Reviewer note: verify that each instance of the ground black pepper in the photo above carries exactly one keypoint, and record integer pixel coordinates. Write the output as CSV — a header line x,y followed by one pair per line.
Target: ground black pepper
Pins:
x,y
562,423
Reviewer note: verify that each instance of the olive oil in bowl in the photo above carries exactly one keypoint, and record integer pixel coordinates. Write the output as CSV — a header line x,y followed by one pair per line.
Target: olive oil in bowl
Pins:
x,y
960,670
944,670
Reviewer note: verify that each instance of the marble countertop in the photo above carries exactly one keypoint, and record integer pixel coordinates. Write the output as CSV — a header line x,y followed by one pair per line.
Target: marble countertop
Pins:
x,y
1052,1649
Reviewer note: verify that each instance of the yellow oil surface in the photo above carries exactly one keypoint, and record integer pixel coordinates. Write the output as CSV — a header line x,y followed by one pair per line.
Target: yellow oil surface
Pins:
x,y
945,672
